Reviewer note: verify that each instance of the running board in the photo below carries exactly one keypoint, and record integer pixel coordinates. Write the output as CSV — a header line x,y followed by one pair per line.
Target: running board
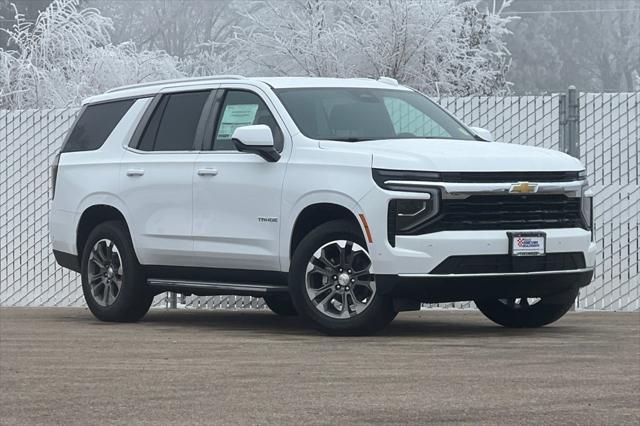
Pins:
x,y
214,287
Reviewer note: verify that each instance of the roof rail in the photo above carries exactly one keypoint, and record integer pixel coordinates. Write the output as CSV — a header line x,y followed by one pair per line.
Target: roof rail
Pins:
x,y
388,80
177,80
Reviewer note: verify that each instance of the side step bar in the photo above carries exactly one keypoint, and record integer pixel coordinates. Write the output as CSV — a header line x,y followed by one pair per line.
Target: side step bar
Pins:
x,y
214,288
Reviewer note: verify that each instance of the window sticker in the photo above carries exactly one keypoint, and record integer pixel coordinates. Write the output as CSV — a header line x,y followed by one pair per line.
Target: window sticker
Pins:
x,y
235,116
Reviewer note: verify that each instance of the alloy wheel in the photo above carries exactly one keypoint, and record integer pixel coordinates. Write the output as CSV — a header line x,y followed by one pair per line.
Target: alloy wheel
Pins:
x,y
339,279
105,272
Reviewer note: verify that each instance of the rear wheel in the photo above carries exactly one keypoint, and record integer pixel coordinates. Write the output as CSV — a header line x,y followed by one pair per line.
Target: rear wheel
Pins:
x,y
332,282
528,312
281,305
112,280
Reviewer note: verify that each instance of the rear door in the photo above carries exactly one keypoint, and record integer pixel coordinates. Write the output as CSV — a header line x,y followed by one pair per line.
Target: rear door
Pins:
x,y
157,175
237,195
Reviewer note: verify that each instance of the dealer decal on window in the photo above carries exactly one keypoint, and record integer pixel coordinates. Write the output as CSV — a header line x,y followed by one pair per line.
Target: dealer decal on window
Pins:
x,y
235,116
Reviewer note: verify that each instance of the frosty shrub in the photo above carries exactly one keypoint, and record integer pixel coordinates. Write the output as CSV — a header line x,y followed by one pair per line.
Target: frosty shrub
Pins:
x,y
213,59
67,55
438,46
444,46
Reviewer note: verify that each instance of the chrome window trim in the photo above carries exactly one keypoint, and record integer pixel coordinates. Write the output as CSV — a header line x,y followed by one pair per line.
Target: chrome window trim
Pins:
x,y
138,151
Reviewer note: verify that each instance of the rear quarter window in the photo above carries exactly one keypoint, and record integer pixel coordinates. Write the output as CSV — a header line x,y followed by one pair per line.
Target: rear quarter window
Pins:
x,y
95,125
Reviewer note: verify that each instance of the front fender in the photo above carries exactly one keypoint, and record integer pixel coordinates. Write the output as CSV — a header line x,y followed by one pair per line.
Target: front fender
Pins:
x,y
315,197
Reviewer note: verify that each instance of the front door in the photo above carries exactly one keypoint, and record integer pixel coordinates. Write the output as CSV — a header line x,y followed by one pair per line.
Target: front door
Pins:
x,y
237,196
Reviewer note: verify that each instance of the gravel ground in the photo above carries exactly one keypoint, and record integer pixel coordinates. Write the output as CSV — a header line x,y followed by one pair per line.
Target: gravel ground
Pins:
x,y
61,366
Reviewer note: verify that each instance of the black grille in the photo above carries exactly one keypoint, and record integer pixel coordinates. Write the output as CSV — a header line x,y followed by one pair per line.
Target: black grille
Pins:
x,y
495,212
502,263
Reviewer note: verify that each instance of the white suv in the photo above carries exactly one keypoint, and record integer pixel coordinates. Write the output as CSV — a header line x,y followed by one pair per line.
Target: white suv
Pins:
x,y
342,200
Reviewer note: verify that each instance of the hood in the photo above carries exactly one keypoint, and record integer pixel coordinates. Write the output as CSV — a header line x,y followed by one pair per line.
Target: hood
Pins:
x,y
444,155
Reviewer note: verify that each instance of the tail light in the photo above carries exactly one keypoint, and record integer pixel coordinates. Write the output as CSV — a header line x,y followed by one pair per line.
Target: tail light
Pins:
x,y
53,174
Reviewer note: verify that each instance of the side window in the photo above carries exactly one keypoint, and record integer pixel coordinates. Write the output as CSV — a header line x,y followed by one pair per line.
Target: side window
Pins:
x,y
95,125
173,124
149,135
408,121
242,108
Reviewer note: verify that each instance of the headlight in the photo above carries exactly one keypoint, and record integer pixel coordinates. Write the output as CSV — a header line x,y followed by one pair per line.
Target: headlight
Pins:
x,y
586,203
586,208
409,215
53,174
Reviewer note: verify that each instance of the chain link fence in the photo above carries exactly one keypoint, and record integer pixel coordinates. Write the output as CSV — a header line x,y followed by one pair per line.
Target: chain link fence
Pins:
x,y
608,131
610,149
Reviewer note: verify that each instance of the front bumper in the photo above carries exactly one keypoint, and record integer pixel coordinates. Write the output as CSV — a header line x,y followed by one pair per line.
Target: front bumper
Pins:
x,y
421,254
409,270
428,288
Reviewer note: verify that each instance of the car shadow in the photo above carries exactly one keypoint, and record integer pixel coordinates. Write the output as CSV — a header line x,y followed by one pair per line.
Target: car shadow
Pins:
x,y
454,324
452,327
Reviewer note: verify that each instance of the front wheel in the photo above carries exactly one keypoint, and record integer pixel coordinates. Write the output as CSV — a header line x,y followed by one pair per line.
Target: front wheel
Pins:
x,y
527,312
332,282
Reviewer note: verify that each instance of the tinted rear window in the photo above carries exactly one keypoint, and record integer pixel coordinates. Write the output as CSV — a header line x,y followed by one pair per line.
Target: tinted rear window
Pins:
x,y
174,123
95,125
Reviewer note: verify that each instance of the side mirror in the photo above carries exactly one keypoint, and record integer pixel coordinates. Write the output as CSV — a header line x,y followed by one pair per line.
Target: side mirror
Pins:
x,y
483,133
256,139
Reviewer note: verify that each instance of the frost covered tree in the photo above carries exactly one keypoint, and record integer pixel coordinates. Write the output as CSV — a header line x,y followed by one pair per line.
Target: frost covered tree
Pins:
x,y
295,38
182,28
66,55
195,31
443,46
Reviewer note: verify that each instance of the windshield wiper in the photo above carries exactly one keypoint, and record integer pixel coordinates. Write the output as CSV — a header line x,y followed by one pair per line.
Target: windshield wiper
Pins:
x,y
351,139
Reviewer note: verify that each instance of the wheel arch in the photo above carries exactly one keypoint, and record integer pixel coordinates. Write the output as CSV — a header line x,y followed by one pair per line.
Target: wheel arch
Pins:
x,y
91,217
314,215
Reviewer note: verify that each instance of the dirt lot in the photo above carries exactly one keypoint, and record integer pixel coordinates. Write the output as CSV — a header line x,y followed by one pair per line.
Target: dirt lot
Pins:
x,y
239,367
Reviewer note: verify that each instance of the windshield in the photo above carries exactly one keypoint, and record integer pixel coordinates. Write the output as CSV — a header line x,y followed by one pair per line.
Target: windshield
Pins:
x,y
360,114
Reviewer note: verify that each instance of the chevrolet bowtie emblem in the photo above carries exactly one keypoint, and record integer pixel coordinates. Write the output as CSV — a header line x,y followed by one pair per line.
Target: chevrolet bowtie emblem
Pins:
x,y
524,188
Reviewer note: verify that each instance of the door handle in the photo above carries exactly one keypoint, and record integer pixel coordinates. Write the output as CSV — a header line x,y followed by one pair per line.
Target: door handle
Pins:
x,y
135,172
207,172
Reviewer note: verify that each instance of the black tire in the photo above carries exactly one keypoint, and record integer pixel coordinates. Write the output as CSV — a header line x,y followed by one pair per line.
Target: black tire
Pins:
x,y
547,310
379,311
132,301
281,305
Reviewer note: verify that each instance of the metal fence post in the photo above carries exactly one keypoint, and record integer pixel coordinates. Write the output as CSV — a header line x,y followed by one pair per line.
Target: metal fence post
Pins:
x,y
573,122
562,122
173,300
569,120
